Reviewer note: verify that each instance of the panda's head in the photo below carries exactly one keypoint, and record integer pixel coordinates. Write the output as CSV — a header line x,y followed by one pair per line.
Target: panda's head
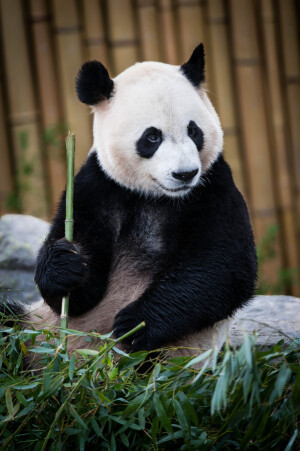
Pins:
x,y
155,130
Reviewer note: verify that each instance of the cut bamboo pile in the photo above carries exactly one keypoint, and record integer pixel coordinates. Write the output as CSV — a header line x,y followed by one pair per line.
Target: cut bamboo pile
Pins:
x,y
252,78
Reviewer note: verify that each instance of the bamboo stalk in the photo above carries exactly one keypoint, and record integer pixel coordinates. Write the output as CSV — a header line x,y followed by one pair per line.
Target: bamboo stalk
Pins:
x,y
254,126
49,99
22,108
122,34
289,45
279,138
168,32
69,224
94,31
6,180
70,57
223,89
148,30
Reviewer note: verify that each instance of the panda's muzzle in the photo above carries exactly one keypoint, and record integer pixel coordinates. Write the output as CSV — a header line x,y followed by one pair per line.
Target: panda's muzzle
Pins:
x,y
172,190
186,176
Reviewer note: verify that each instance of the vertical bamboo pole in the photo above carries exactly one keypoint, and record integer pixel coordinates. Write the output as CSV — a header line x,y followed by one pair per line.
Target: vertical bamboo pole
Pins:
x,y
223,89
123,42
191,20
94,34
70,58
290,45
168,31
48,89
148,30
6,180
254,125
23,113
191,26
69,222
279,138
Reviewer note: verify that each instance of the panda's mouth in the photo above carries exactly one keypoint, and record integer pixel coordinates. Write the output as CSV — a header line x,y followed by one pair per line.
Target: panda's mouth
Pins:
x,y
172,190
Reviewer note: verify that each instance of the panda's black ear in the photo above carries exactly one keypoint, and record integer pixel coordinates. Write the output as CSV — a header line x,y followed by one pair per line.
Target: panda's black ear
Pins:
x,y
93,83
194,68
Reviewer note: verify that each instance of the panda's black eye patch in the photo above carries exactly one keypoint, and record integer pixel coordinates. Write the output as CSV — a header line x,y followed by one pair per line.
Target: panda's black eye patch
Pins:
x,y
149,142
196,134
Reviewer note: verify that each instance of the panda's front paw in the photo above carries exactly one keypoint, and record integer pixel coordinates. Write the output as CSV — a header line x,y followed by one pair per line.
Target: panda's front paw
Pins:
x,y
61,266
127,319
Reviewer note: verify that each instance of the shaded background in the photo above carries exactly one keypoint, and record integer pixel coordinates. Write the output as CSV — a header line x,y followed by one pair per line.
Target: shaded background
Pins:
x,y
253,76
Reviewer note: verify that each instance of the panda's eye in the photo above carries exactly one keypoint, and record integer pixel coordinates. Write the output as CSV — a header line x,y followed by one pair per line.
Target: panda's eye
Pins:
x,y
191,130
149,142
154,138
196,134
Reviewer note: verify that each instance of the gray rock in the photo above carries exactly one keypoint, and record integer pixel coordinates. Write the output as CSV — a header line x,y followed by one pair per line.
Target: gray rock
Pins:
x,y
272,317
21,237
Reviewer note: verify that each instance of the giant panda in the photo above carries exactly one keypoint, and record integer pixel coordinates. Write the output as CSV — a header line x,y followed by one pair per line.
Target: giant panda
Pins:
x,y
161,233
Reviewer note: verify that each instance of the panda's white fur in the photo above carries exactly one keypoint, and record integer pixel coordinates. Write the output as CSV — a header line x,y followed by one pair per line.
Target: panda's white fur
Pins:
x,y
159,95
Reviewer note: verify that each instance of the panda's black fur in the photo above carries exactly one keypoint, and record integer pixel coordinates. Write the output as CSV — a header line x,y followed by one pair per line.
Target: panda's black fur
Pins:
x,y
204,270
186,262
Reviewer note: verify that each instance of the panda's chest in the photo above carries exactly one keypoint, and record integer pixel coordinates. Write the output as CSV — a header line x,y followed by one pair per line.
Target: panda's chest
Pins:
x,y
138,253
140,239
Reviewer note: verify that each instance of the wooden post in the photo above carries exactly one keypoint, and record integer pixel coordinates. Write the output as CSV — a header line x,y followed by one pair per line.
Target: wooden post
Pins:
x,y
95,39
223,90
48,90
23,113
122,34
148,30
70,58
279,139
6,179
254,125
290,49
169,38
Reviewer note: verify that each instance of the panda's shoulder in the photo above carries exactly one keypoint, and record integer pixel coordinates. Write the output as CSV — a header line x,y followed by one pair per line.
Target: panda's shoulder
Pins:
x,y
90,172
218,194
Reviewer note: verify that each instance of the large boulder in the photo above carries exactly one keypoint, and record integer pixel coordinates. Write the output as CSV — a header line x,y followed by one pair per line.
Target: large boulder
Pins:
x,y
273,318
21,236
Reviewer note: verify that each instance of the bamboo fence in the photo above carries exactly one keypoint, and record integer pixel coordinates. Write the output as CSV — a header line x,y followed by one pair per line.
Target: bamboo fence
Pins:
x,y
253,79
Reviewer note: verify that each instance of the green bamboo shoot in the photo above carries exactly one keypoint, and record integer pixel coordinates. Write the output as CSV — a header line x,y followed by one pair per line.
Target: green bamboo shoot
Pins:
x,y
69,223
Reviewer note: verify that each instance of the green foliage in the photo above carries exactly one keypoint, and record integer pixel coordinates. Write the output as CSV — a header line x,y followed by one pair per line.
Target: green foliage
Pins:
x,y
240,399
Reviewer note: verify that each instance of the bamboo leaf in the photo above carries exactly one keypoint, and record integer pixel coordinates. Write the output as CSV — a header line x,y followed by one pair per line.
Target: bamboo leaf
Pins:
x,y
13,413
87,352
75,415
96,428
41,350
281,380
23,347
292,440
180,415
9,401
71,367
247,348
199,358
161,413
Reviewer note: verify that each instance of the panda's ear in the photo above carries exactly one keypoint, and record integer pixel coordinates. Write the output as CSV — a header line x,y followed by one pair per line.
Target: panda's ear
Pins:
x,y
93,83
194,68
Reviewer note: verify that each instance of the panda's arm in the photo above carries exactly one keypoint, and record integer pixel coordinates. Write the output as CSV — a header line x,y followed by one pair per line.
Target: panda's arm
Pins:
x,y
80,270
206,283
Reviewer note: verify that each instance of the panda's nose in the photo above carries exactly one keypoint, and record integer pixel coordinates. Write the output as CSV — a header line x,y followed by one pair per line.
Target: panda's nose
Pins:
x,y
185,176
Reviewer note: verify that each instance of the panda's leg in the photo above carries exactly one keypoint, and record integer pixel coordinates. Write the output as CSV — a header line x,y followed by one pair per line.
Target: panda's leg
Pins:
x,y
196,343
